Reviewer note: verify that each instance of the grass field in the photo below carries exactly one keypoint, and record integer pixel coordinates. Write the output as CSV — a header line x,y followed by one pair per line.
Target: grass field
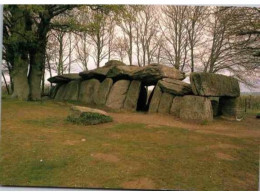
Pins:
x,y
40,148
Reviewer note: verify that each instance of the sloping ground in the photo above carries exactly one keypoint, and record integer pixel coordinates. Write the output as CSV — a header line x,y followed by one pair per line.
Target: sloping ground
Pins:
x,y
39,148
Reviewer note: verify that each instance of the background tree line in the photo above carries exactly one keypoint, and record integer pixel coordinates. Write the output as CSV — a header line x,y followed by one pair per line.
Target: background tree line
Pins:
x,y
57,39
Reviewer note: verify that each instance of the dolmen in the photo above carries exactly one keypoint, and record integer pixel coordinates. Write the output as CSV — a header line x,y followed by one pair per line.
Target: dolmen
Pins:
x,y
122,87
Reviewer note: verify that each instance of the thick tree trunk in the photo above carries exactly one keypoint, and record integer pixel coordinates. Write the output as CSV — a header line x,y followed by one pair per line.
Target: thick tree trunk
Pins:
x,y
19,75
35,75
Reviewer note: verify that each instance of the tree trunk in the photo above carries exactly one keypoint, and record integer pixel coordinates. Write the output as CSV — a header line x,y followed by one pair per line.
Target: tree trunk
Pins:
x,y
7,88
19,74
35,75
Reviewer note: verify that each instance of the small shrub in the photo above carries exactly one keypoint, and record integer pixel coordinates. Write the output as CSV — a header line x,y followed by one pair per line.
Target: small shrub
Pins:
x,y
89,119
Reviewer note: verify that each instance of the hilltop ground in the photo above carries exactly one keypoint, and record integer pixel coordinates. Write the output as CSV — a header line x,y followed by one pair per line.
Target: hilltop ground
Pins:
x,y
137,150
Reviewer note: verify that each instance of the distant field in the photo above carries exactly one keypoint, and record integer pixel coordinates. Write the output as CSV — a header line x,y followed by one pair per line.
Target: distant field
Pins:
x,y
137,150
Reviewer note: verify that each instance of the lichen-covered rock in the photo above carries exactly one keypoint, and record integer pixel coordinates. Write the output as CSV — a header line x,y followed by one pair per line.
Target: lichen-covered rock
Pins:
x,y
228,106
132,96
196,108
88,91
122,72
64,78
209,84
117,94
155,101
114,63
103,91
150,74
61,92
165,103
72,90
176,106
175,87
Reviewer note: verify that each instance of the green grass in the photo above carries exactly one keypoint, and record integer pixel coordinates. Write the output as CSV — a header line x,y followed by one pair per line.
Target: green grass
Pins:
x,y
89,119
40,148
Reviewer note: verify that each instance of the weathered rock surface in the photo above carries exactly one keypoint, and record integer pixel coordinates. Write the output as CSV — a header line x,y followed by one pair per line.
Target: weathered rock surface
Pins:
x,y
54,90
132,96
122,72
176,106
196,108
149,75
88,91
112,63
103,91
228,106
72,90
76,111
99,73
165,103
175,87
117,95
208,84
155,101
61,92
64,78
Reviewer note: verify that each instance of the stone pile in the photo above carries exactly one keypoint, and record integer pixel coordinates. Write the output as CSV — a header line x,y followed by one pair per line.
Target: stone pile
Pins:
x,y
122,87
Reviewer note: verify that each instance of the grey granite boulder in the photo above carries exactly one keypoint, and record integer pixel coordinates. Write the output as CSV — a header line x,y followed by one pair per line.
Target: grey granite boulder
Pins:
x,y
103,91
132,96
165,103
175,87
88,91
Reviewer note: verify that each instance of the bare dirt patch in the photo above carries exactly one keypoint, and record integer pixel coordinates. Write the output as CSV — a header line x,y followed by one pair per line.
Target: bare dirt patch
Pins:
x,y
225,156
141,183
106,157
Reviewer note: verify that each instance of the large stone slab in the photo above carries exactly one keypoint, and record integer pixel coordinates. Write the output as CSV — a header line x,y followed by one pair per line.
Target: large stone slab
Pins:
x,y
149,75
155,101
88,91
122,72
54,90
103,91
132,96
76,111
175,87
99,73
61,92
64,78
112,63
228,106
196,108
72,90
165,103
209,84
176,106
117,95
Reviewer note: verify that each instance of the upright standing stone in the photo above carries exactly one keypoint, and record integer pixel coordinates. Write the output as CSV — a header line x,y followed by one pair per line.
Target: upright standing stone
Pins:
x,y
196,108
176,106
117,95
132,96
103,91
165,103
72,90
155,101
228,106
88,91
61,92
